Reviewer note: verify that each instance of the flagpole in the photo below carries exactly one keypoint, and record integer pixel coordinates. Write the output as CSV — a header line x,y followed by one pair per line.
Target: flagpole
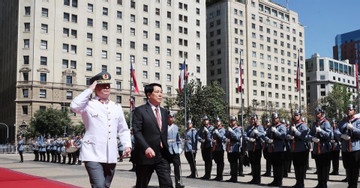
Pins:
x,y
130,95
299,81
241,98
185,106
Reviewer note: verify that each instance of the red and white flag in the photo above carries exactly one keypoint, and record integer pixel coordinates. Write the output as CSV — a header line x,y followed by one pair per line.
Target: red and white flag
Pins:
x,y
298,74
240,80
136,89
182,77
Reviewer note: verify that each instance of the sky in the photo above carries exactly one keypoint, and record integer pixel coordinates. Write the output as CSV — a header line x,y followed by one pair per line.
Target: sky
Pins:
x,y
323,20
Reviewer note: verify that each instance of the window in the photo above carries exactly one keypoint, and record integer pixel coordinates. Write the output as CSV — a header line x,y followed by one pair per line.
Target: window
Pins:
x,y
89,51
44,28
65,63
43,44
73,64
89,22
104,54
145,74
168,77
73,49
118,70
118,42
43,60
74,3
27,27
105,25
104,39
66,32
69,94
26,59
118,57
25,110
26,43
26,76
104,67
74,18
44,12
119,14
25,93
74,33
68,79
157,11
88,67
145,60
105,11
118,99
157,63
27,11
90,7
119,28
132,45
89,36
42,93
157,76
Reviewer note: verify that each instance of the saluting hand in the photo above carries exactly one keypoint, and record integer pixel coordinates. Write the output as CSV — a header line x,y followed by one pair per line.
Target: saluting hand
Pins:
x,y
93,85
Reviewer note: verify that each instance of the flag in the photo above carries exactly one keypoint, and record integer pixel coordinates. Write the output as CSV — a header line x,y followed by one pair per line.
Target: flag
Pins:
x,y
298,74
183,75
357,74
134,80
240,80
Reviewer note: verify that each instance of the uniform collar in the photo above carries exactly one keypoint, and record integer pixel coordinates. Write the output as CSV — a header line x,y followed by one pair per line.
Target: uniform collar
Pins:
x,y
101,100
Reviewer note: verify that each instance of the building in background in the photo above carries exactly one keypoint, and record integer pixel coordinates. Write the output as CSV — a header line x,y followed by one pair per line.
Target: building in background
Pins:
x,y
266,38
50,49
347,46
323,72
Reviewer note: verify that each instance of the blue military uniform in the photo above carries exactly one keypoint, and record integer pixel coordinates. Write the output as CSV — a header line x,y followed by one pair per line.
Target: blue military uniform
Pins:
x,y
190,149
21,149
48,149
174,142
254,135
42,149
35,148
275,137
204,136
265,147
218,150
53,151
78,142
320,134
233,148
335,150
348,131
298,140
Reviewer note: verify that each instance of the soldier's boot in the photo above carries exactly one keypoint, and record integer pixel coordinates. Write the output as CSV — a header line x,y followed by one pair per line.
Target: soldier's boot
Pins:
x,y
319,176
64,160
268,169
256,174
285,169
219,172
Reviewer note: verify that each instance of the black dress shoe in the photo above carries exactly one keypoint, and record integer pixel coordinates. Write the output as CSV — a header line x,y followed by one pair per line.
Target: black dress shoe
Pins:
x,y
315,172
218,179
242,175
344,180
254,181
334,173
205,178
277,184
266,174
179,185
231,180
191,176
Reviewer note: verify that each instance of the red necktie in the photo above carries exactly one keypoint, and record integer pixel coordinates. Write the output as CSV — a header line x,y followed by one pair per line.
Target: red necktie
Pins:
x,y
158,119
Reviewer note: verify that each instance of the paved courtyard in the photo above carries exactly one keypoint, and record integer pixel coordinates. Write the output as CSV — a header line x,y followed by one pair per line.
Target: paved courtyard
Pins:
x,y
77,175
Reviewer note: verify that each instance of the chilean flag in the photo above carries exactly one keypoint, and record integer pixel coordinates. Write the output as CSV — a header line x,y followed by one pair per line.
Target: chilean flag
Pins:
x,y
134,80
240,80
298,74
183,75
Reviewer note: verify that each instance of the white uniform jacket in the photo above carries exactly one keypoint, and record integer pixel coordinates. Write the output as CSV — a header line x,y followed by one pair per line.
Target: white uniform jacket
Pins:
x,y
103,122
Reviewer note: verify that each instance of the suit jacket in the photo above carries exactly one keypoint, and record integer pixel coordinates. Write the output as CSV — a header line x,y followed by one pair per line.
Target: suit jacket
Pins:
x,y
147,134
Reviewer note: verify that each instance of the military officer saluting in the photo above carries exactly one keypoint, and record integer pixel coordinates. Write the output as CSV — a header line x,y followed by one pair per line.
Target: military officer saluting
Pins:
x,y
254,135
233,139
204,136
348,131
174,142
219,148
320,135
104,121
275,137
191,148
298,136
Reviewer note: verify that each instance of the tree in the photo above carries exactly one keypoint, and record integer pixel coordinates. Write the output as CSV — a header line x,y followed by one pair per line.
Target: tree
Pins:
x,y
49,122
334,104
201,100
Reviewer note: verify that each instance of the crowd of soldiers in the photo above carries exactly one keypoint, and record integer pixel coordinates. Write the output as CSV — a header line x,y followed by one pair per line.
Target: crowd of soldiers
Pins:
x,y
56,150
280,142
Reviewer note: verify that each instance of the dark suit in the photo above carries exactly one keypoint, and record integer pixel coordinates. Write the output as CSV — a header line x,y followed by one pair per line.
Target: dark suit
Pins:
x,y
147,134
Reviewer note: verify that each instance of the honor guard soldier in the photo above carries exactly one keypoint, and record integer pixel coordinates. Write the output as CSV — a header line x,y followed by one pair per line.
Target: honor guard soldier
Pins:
x,y
174,142
287,154
254,135
348,131
298,136
21,149
78,142
191,148
218,148
335,150
35,148
275,137
53,150
320,135
48,149
233,139
265,149
42,149
204,136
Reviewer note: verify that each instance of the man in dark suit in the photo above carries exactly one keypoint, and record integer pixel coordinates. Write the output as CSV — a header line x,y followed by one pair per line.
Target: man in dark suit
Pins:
x,y
151,146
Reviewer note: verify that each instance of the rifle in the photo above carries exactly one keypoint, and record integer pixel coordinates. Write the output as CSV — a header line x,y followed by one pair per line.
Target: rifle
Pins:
x,y
350,134
318,135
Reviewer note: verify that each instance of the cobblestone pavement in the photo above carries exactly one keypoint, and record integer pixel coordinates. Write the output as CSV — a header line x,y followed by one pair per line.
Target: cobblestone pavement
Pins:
x,y
77,175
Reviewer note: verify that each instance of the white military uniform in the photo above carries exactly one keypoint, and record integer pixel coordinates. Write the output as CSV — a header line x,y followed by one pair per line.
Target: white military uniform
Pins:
x,y
103,122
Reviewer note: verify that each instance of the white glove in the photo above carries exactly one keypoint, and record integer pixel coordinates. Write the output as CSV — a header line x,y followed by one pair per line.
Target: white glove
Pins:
x,y
202,140
349,126
230,129
332,141
345,137
251,139
270,141
291,137
273,129
206,130
293,128
316,140
180,150
318,129
216,131
193,151
227,140
255,131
